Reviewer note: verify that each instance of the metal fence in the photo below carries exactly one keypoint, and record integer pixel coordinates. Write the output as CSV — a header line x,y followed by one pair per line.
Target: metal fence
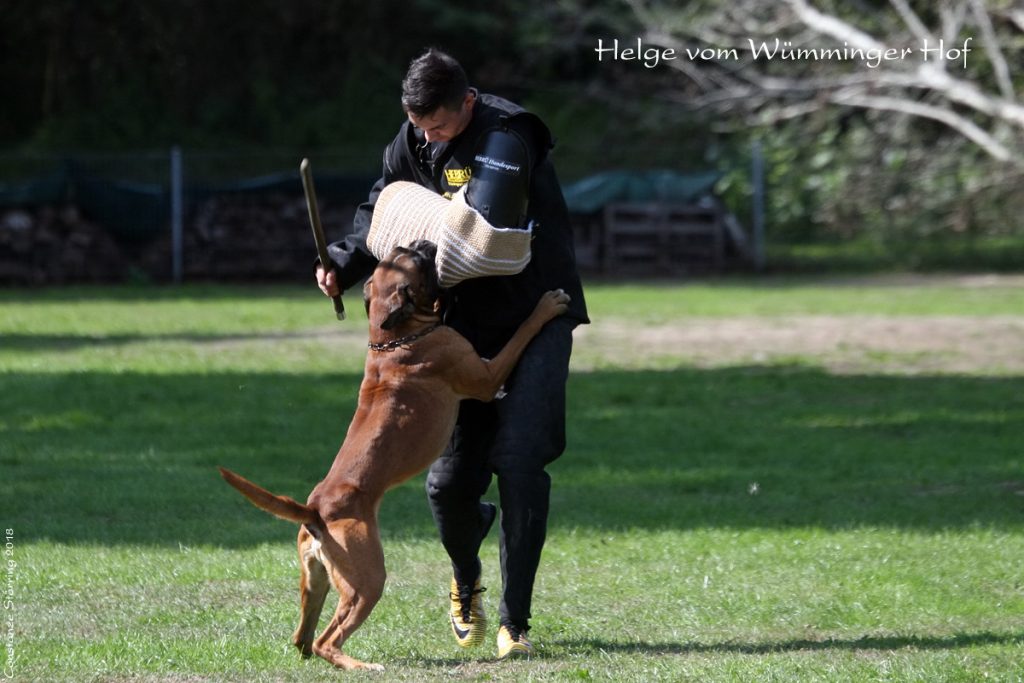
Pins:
x,y
169,215
180,215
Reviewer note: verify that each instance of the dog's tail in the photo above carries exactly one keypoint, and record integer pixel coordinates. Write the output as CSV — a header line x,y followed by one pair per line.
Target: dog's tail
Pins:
x,y
279,506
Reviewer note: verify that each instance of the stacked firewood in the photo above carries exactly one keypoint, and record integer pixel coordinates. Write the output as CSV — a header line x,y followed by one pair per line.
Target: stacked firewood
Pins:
x,y
53,245
225,237
244,237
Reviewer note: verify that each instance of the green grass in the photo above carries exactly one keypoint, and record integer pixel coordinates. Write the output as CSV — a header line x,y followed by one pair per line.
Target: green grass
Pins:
x,y
755,522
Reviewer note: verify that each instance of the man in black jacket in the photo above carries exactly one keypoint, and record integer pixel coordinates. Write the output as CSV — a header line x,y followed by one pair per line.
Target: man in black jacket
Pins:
x,y
513,438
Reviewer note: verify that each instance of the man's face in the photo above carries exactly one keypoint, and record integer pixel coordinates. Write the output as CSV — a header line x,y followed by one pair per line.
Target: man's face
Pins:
x,y
442,124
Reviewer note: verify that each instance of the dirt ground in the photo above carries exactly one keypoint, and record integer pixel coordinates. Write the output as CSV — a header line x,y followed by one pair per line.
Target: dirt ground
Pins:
x,y
841,344
846,344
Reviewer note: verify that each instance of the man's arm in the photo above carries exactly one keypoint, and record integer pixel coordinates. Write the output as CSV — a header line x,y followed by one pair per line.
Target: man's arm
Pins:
x,y
351,259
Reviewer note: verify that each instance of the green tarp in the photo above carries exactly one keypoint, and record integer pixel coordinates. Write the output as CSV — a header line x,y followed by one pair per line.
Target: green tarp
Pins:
x,y
595,192
137,211
51,188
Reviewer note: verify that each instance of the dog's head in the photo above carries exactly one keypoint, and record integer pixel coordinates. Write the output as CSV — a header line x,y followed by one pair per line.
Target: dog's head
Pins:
x,y
403,284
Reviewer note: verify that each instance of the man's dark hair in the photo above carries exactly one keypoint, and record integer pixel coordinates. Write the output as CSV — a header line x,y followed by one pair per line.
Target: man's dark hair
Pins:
x,y
435,79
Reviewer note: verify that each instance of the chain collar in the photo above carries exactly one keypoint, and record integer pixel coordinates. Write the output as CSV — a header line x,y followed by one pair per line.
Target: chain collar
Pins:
x,y
402,341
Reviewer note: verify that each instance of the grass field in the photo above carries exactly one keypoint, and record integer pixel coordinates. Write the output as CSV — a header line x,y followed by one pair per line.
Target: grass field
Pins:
x,y
820,508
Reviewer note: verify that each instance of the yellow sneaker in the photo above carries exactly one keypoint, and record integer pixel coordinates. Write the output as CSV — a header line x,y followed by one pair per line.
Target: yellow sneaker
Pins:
x,y
512,642
467,614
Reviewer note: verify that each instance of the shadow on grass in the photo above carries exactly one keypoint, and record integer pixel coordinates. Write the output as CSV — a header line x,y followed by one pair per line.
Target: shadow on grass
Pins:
x,y
880,643
559,648
302,290
71,342
131,458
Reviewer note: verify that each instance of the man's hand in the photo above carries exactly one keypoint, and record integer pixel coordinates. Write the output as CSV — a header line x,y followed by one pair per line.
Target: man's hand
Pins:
x,y
327,281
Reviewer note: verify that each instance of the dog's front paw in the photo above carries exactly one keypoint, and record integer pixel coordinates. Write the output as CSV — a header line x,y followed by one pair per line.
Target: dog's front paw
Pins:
x,y
552,304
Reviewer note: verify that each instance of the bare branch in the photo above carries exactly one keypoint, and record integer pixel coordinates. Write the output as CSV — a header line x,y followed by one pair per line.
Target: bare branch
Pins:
x,y
932,74
968,94
703,80
995,55
831,26
1016,17
952,20
931,87
963,126
912,21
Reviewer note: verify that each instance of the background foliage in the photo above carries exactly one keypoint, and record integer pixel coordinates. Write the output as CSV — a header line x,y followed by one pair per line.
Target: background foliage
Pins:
x,y
889,188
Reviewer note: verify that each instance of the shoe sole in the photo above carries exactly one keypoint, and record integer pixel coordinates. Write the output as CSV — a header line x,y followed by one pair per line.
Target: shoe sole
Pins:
x,y
516,653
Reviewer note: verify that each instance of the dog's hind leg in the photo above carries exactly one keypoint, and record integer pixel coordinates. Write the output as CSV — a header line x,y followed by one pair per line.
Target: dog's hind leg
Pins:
x,y
356,567
313,587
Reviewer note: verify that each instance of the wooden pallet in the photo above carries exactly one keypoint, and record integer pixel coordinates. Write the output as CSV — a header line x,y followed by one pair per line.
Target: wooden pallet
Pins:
x,y
661,238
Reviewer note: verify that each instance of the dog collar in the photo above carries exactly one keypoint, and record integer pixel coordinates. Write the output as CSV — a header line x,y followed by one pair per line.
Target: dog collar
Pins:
x,y
401,341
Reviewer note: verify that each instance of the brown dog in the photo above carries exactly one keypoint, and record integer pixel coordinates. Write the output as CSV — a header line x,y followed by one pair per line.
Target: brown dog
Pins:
x,y
416,373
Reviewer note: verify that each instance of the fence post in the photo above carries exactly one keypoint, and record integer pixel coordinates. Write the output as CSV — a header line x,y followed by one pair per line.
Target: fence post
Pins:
x,y
757,180
177,216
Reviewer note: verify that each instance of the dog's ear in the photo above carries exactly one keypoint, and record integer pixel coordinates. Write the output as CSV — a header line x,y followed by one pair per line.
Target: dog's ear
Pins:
x,y
401,306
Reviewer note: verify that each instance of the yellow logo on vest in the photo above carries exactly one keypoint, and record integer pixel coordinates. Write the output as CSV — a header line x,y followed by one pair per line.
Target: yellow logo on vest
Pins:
x,y
457,177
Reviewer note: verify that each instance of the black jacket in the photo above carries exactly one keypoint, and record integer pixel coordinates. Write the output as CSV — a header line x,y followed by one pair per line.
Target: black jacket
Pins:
x,y
486,310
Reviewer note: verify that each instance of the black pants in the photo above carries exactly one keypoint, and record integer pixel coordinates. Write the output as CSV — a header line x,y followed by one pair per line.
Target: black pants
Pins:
x,y
513,438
